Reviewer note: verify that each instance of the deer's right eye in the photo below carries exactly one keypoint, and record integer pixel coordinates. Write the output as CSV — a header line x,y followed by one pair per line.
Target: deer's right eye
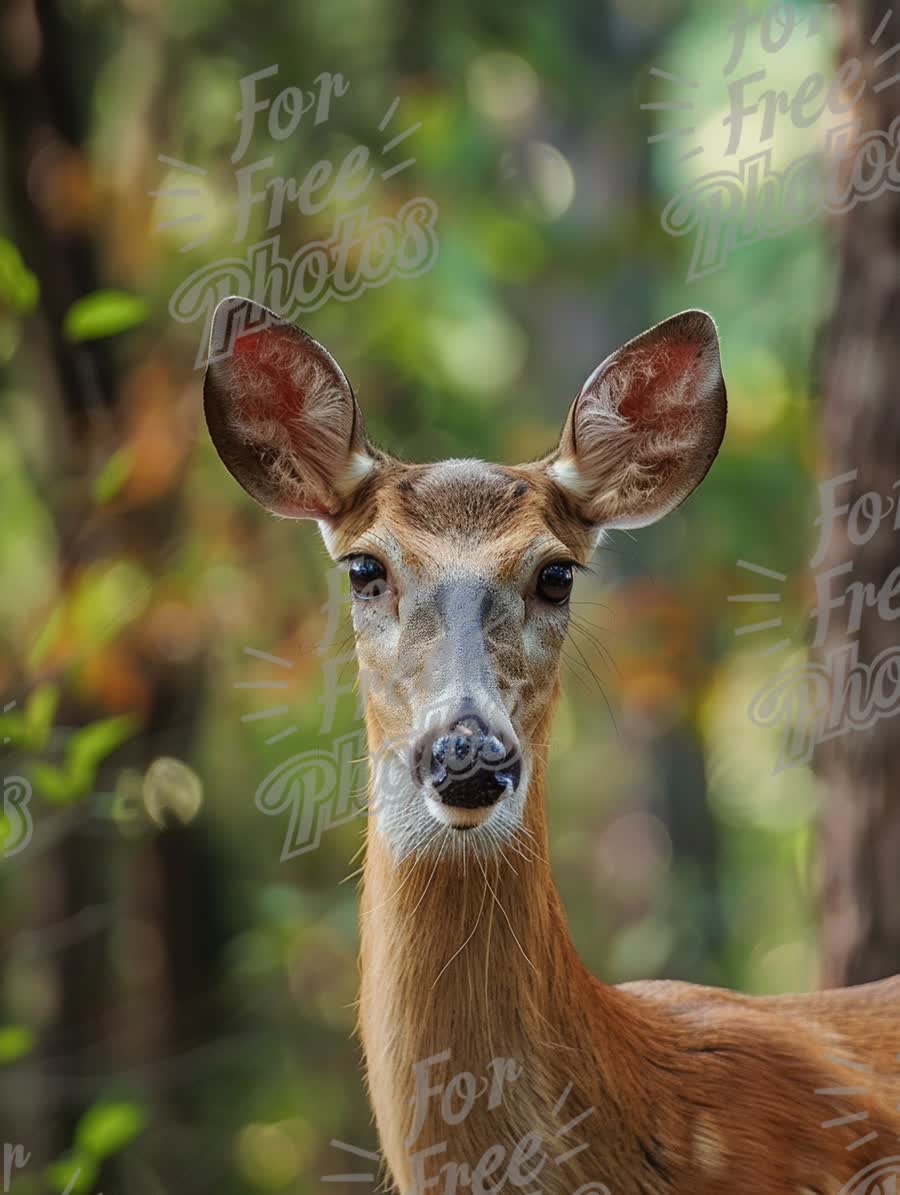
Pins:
x,y
368,577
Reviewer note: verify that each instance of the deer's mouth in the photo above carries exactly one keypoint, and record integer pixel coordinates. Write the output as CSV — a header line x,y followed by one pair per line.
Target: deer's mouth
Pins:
x,y
458,817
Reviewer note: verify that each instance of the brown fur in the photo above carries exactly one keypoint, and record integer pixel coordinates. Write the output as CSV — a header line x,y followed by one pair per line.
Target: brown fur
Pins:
x,y
693,1090
671,1089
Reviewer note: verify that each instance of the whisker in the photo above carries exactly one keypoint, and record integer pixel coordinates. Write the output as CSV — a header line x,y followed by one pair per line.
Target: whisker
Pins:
x,y
509,923
525,830
413,867
353,874
573,664
474,927
429,880
527,858
593,637
606,702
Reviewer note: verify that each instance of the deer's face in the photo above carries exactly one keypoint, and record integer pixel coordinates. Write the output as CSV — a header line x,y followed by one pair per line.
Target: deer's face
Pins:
x,y
460,575
460,572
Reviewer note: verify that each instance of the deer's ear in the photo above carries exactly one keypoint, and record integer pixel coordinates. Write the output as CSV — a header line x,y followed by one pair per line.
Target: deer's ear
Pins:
x,y
281,414
646,426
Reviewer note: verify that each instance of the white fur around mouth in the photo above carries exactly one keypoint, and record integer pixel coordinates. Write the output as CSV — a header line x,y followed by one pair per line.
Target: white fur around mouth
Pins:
x,y
456,816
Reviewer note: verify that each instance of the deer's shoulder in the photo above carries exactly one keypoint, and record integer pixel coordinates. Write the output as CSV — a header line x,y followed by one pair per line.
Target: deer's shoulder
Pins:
x,y
834,1029
786,1076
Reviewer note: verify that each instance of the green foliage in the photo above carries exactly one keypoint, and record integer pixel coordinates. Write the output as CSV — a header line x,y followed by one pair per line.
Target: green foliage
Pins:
x,y
18,286
29,728
72,1175
84,751
113,475
16,1041
104,313
108,1127
104,1130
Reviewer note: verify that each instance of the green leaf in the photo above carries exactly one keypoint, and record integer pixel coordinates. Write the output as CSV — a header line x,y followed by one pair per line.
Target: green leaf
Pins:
x,y
85,751
30,726
46,637
18,286
113,475
108,597
53,783
89,746
15,1042
104,313
72,1175
108,1127
40,710
12,728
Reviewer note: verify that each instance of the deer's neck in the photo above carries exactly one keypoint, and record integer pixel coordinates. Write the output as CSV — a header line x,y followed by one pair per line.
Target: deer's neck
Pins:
x,y
475,958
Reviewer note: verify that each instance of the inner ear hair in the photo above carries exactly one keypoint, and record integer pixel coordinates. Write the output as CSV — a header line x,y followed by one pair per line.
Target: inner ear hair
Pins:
x,y
647,424
282,414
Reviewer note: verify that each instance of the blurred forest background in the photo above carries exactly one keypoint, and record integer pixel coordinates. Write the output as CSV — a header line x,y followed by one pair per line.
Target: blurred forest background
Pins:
x,y
177,1002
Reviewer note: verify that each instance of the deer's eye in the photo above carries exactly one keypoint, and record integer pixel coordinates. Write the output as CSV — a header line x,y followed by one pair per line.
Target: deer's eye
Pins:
x,y
554,583
368,577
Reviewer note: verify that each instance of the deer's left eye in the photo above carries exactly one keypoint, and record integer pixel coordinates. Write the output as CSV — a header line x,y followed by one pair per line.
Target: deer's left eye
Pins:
x,y
368,577
554,583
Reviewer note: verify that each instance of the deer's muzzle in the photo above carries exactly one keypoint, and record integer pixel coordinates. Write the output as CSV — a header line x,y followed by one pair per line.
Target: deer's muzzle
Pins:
x,y
468,765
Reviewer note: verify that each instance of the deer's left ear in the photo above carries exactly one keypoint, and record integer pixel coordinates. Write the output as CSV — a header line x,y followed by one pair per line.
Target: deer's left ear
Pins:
x,y
646,426
282,415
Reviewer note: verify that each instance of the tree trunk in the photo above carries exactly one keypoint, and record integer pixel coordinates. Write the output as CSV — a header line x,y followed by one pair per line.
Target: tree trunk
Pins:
x,y
861,769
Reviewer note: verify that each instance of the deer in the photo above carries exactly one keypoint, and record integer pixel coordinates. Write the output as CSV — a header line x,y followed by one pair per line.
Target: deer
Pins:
x,y
493,1058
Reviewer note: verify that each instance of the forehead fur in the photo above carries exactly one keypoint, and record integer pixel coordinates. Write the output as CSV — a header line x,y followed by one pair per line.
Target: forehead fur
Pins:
x,y
466,503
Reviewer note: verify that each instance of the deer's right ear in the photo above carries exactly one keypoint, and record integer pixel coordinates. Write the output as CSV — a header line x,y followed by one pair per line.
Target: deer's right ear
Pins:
x,y
282,414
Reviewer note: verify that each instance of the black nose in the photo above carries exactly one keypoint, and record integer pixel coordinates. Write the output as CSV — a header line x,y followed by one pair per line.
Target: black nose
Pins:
x,y
468,765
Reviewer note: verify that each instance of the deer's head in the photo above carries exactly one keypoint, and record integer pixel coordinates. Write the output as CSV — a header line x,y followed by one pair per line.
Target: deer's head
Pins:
x,y
461,571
